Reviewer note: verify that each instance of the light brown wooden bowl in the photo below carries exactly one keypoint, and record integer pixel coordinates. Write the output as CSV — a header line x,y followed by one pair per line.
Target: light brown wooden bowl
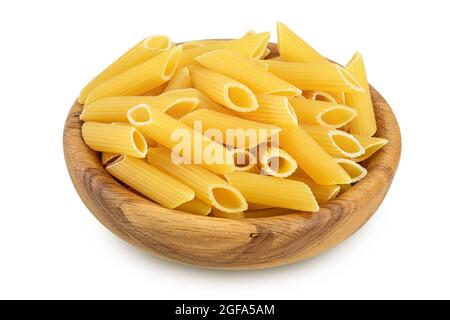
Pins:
x,y
224,243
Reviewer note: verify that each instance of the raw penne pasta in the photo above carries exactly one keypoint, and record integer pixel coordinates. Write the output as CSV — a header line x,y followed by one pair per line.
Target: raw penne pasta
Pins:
x,y
310,156
337,143
244,160
204,101
293,48
319,96
194,146
272,110
115,109
339,97
141,52
107,157
208,187
256,206
220,214
224,90
323,194
240,68
196,206
156,91
322,113
283,193
276,162
315,76
354,170
260,63
114,138
265,213
370,144
141,78
150,181
252,47
265,55
180,80
365,123
234,131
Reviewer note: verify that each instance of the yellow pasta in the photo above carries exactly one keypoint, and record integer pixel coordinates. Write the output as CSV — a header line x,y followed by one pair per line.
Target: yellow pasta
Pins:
x,y
194,147
224,90
151,182
339,97
322,113
114,138
107,157
323,194
265,213
335,142
240,68
283,193
208,187
230,130
141,78
315,76
272,110
293,48
144,50
276,162
204,101
195,206
244,160
252,47
310,156
354,170
220,214
115,109
370,144
319,96
255,206
156,91
260,63
365,123
180,80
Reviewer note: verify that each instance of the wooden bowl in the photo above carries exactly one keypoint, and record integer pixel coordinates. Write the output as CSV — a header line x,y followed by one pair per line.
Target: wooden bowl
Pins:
x,y
224,243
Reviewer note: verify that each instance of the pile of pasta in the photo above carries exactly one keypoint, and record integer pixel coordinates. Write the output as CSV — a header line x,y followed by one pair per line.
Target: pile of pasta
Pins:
x,y
321,112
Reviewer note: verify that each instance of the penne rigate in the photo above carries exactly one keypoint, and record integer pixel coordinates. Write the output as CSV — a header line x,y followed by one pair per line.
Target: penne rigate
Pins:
x,y
196,206
244,160
354,170
180,80
276,162
322,193
319,96
370,144
272,110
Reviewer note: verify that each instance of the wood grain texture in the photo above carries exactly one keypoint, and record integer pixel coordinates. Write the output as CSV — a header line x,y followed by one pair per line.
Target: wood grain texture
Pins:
x,y
223,243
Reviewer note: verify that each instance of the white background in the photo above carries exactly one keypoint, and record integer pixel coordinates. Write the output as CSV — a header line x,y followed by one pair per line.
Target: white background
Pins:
x,y
52,247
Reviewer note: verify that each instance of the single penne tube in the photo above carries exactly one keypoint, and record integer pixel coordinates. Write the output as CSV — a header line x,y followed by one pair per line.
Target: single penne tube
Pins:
x,y
321,113
311,157
151,182
315,76
260,63
365,123
265,213
220,214
115,109
170,133
156,91
339,97
141,78
252,47
180,80
323,194
319,96
336,143
204,101
370,144
114,138
208,187
272,110
293,48
273,191
141,52
224,90
238,67
265,55
196,206
230,130
276,162
244,160
108,157
356,171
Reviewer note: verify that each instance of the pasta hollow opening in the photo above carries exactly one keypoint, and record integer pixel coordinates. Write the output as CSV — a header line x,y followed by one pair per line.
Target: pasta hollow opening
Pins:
x,y
139,115
354,170
181,107
241,98
158,43
346,143
349,79
139,143
337,117
171,64
113,158
281,165
323,96
261,48
228,199
243,159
